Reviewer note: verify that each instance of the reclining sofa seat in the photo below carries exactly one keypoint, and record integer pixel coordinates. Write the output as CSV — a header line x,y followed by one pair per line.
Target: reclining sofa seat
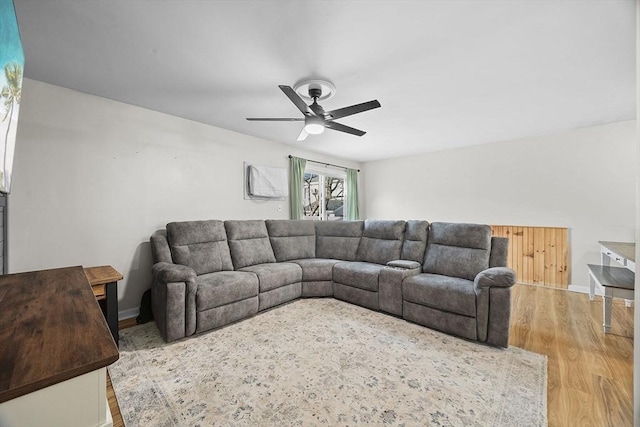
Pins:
x,y
464,287
251,252
195,286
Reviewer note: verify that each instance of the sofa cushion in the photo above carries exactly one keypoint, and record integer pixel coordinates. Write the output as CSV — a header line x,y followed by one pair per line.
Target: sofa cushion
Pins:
x,y
415,240
201,245
316,269
338,239
457,250
446,293
292,239
275,275
381,241
362,275
249,243
224,287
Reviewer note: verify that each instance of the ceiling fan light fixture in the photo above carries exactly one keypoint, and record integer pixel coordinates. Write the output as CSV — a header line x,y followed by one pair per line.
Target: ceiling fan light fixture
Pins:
x,y
314,125
314,129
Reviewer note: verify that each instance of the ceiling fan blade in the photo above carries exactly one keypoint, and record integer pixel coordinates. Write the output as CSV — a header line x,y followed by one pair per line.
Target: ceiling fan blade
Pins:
x,y
343,128
303,135
266,119
354,109
293,96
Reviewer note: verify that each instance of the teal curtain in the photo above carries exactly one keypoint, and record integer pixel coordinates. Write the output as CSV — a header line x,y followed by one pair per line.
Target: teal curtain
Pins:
x,y
352,195
296,178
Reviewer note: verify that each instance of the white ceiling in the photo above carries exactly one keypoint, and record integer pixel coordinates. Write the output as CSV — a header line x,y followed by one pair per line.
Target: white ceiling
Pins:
x,y
447,73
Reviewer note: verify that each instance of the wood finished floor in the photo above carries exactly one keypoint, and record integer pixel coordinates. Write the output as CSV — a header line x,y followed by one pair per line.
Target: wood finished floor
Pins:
x,y
590,374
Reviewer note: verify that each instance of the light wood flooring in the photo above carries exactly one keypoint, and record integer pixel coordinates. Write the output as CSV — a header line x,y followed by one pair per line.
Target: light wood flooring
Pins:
x,y
590,374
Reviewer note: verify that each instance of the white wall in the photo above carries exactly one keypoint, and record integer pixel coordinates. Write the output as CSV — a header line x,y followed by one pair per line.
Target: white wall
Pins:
x,y
582,179
94,178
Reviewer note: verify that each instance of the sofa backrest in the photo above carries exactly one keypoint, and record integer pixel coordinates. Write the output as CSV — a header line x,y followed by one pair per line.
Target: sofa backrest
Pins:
x,y
292,239
457,250
249,243
381,241
415,240
201,245
338,239
499,251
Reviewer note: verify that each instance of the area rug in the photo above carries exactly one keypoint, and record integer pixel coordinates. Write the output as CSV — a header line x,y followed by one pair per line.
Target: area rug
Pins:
x,y
329,363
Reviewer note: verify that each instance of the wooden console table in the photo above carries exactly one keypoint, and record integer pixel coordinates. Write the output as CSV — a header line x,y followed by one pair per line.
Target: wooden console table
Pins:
x,y
104,281
55,349
615,282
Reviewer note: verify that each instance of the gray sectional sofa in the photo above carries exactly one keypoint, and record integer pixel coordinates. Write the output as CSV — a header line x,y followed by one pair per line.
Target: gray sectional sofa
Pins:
x,y
446,276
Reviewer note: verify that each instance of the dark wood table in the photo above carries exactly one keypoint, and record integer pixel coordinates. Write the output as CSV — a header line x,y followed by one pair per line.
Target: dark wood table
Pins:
x,y
51,330
104,282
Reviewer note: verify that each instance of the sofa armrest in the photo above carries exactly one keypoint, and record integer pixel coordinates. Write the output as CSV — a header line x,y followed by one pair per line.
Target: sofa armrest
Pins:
x,y
173,300
168,273
493,304
390,284
403,264
496,277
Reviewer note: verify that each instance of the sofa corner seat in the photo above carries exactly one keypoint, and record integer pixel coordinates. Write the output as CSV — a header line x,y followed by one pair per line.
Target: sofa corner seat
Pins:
x,y
294,241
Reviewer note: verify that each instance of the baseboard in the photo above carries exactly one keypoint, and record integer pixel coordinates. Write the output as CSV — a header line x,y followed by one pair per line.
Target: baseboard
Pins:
x,y
128,314
583,289
571,288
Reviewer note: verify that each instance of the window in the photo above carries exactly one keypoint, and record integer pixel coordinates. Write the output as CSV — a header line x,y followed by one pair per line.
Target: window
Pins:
x,y
324,194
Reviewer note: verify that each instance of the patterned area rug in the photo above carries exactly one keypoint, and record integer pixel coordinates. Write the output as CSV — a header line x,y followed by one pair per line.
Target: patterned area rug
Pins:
x,y
325,362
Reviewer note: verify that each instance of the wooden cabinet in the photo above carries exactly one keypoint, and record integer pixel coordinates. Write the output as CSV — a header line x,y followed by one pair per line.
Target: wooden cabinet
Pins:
x,y
55,349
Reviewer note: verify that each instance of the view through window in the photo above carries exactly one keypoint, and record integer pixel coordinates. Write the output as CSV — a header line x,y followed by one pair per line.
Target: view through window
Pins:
x,y
324,195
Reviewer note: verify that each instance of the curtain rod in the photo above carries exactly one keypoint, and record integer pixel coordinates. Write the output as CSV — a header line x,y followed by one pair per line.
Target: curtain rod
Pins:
x,y
327,164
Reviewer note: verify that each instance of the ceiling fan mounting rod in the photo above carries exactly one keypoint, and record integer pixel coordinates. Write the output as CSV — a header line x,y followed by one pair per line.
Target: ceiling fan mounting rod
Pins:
x,y
315,93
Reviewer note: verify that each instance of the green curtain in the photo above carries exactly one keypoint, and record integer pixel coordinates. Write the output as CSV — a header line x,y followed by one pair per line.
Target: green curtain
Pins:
x,y
352,195
296,178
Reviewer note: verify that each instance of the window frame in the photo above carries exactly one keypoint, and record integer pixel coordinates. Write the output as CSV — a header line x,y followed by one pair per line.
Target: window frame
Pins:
x,y
323,173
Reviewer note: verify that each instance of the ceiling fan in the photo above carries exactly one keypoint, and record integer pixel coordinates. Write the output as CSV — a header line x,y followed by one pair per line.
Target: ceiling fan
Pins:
x,y
316,119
